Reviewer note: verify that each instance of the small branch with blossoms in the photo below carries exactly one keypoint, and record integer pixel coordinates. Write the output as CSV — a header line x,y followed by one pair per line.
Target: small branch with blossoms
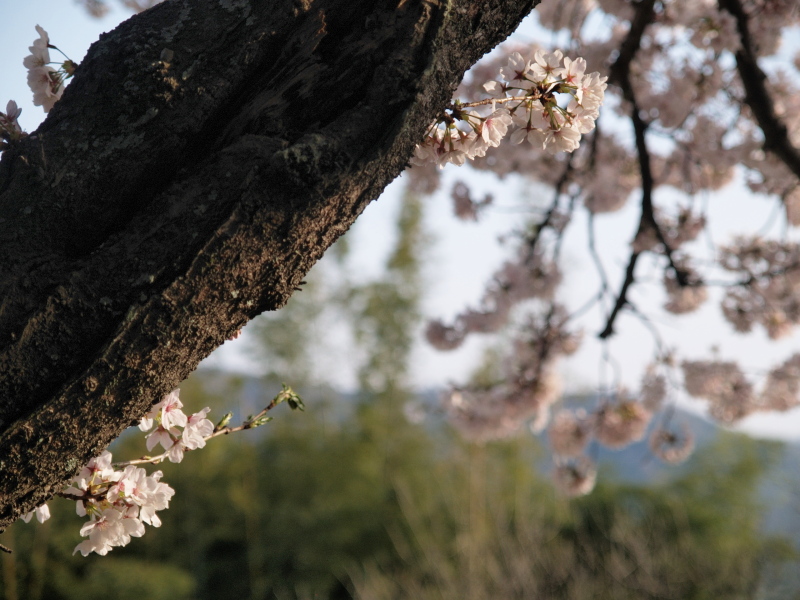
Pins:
x,y
198,430
548,99
119,498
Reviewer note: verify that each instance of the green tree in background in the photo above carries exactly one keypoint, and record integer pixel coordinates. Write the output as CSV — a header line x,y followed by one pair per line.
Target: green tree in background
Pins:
x,y
498,531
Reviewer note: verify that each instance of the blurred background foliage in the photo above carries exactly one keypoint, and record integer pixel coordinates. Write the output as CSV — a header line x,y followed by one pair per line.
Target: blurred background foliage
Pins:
x,y
351,500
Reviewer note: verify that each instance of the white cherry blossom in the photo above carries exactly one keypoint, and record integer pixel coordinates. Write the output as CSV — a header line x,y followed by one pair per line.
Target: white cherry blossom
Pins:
x,y
165,437
528,91
46,84
108,529
572,73
42,513
545,64
197,429
40,54
516,71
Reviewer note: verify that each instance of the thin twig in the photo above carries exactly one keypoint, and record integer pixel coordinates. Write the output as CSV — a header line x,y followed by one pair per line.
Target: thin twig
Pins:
x,y
622,297
648,323
598,261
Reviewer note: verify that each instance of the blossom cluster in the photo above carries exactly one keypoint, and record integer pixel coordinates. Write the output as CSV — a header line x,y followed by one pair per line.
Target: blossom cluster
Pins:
x,y
46,83
732,396
683,297
169,418
546,99
120,498
614,423
117,502
530,386
770,271
528,276
575,477
530,389
673,445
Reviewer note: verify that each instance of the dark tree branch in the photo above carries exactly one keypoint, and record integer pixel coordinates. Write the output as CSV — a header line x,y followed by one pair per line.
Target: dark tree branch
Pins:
x,y
620,75
622,297
203,158
757,97
643,16
648,218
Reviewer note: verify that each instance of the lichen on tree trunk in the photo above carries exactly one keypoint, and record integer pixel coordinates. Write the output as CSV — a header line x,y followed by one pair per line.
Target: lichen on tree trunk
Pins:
x,y
204,157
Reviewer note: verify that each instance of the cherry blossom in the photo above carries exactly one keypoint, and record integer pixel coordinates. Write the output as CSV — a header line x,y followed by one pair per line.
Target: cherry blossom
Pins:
x,y
464,206
729,393
442,336
569,433
42,513
10,130
118,503
782,386
687,296
575,477
494,127
108,529
528,91
672,445
546,65
622,423
46,83
197,429
121,498
170,417
517,71
165,437
653,390
40,55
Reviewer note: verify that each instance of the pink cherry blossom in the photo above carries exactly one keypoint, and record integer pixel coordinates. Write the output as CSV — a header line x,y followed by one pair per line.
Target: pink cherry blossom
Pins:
x,y
569,433
575,477
672,445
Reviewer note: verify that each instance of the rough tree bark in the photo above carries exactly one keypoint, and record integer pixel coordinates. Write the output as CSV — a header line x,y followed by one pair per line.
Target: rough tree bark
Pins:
x,y
204,157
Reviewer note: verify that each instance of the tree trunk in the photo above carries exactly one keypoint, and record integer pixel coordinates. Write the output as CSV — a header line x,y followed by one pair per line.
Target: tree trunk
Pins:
x,y
203,158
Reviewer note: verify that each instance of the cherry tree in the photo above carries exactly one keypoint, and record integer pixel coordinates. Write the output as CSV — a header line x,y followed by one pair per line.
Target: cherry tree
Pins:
x,y
183,186
203,157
